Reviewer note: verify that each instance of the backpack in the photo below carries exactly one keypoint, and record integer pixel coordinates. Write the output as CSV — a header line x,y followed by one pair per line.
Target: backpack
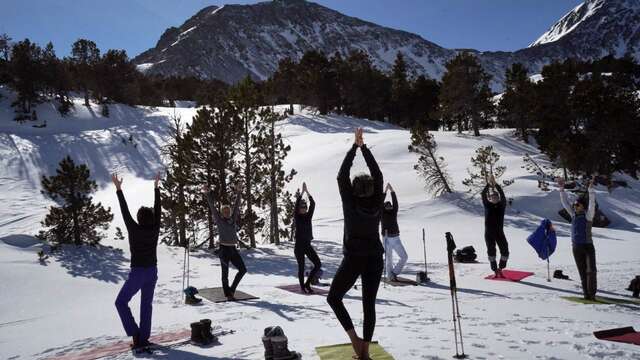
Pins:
x,y
466,255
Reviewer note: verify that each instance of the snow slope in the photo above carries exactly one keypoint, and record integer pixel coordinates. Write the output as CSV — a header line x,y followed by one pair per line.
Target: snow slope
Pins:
x,y
67,303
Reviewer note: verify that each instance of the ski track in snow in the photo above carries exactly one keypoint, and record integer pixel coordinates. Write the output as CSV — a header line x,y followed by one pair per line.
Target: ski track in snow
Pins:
x,y
68,301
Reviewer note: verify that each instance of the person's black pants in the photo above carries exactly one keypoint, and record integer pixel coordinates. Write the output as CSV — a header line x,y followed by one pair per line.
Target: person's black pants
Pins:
x,y
492,238
229,254
300,252
585,256
370,269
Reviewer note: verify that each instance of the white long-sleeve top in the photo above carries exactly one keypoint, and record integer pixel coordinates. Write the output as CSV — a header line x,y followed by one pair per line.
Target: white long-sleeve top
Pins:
x,y
591,210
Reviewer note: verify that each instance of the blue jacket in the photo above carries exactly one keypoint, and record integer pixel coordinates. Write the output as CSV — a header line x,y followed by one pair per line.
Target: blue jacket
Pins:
x,y
543,240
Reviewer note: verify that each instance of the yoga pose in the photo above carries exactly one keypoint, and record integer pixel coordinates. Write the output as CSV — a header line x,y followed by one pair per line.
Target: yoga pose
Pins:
x,y
495,203
391,234
143,241
362,201
304,234
226,220
584,252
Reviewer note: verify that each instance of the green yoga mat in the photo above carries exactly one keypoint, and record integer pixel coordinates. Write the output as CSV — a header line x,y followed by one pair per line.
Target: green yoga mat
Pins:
x,y
345,352
600,300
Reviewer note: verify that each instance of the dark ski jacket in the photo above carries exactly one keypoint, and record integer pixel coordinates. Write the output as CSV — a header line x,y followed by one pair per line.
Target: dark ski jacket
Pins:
x,y
390,218
143,241
304,228
361,215
493,213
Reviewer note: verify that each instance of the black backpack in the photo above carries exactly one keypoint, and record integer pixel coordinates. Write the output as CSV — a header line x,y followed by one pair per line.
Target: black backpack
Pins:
x,y
466,255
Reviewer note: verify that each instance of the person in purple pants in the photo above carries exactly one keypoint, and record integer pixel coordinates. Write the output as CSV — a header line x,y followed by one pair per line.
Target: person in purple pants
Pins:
x,y
143,241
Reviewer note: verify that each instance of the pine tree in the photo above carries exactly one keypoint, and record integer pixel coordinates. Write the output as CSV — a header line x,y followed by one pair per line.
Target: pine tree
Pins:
x,y
465,96
77,219
424,103
245,96
5,51
431,167
400,91
277,198
85,56
27,80
484,165
285,83
178,197
515,108
215,136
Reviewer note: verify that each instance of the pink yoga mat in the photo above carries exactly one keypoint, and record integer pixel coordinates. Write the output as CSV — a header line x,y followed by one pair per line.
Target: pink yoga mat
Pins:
x,y
122,346
296,289
624,335
510,275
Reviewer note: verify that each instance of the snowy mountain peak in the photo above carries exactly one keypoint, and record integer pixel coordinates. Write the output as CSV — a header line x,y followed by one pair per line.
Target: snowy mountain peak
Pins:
x,y
569,22
612,25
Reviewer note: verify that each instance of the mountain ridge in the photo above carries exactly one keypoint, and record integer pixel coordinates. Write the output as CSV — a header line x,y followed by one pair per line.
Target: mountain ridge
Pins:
x,y
233,41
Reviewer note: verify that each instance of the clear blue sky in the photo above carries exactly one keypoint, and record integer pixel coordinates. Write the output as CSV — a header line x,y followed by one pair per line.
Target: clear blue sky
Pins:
x,y
136,25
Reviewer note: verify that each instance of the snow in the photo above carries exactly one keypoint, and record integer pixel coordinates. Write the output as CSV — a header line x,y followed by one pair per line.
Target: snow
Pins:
x,y
67,303
144,67
216,10
569,22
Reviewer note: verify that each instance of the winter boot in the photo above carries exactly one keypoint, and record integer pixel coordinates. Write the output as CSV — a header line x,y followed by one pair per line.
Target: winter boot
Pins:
x,y
268,347
207,335
196,333
280,348
192,300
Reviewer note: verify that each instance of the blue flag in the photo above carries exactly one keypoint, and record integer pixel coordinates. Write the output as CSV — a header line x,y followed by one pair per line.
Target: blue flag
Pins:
x,y
543,240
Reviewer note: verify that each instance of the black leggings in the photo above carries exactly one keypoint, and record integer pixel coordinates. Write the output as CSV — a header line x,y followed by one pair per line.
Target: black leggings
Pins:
x,y
370,269
585,256
494,237
306,250
231,254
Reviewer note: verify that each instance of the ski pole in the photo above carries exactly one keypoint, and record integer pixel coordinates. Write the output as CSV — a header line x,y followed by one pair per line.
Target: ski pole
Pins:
x,y
424,248
384,259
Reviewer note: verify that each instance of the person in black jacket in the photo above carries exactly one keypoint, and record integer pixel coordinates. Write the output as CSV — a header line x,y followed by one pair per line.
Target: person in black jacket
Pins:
x,y
303,235
495,203
143,241
362,201
391,233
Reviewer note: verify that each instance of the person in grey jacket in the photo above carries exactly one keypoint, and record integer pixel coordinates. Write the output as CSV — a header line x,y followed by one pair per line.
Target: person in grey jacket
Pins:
x,y
226,220
584,253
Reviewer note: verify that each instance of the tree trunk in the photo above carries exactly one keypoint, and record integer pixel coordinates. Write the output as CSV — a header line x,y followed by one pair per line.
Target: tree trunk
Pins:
x,y
182,219
442,177
247,179
76,227
475,126
86,97
291,109
274,191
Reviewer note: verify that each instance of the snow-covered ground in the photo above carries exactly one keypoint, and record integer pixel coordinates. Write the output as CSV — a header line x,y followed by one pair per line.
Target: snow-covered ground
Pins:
x,y
68,303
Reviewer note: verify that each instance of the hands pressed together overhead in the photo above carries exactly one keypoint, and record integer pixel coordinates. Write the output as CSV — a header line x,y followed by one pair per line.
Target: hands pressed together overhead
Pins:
x,y
359,139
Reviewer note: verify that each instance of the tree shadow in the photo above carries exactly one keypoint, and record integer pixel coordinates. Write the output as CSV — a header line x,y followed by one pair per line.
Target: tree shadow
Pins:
x,y
284,311
337,123
95,262
483,293
546,287
169,352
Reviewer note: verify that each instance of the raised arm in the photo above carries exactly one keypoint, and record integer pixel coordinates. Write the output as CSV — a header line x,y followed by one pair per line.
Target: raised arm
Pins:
x,y
212,205
485,200
344,180
374,169
394,200
237,187
565,202
124,209
312,206
157,210
503,199
591,211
